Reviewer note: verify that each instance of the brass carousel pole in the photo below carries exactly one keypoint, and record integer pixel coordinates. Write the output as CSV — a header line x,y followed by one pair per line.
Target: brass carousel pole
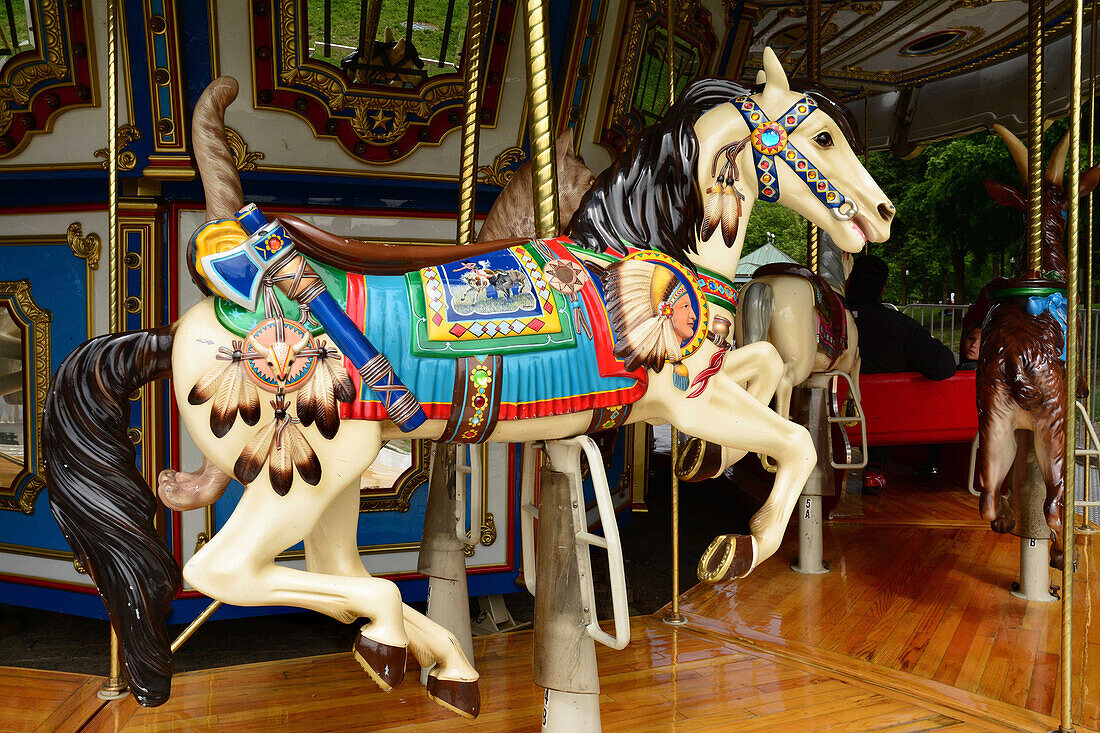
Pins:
x,y
813,73
115,686
1086,352
1070,462
675,618
542,143
1035,135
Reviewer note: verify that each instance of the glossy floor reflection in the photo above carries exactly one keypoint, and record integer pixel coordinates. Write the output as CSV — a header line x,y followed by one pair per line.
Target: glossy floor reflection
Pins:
x,y
918,599
664,680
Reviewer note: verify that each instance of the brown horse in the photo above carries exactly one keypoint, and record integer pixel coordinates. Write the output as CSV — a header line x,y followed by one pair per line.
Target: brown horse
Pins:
x,y
1021,367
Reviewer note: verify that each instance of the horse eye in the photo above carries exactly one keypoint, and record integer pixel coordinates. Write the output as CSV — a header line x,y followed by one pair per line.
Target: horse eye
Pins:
x,y
824,139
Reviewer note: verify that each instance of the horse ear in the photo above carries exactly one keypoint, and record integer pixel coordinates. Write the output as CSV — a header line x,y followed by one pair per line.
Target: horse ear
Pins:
x,y
773,71
389,35
1089,179
1005,195
564,143
761,77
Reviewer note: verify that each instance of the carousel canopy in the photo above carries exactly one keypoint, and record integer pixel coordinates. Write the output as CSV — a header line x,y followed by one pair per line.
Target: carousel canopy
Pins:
x,y
765,255
931,69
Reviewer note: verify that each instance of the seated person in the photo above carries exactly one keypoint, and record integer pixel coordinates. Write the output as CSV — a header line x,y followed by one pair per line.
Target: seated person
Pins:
x,y
969,348
890,341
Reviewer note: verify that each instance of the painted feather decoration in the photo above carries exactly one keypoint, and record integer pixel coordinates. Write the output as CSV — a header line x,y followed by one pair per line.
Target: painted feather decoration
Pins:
x,y
722,205
329,384
230,389
284,448
642,336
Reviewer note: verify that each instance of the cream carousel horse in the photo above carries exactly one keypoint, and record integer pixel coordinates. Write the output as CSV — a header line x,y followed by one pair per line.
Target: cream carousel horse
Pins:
x,y
644,230
805,318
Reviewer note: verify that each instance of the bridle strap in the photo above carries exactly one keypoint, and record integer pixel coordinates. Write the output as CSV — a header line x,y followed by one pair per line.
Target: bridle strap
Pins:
x,y
770,140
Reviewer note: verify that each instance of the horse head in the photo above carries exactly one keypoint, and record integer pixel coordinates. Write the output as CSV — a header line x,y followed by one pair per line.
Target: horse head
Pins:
x,y
800,146
1055,197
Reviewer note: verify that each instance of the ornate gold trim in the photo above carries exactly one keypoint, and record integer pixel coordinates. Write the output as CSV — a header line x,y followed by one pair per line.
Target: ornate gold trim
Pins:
x,y
23,493
62,53
245,160
41,552
89,249
503,167
127,161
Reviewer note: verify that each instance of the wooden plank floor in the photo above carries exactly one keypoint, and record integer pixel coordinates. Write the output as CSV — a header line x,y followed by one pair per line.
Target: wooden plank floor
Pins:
x,y
665,680
918,599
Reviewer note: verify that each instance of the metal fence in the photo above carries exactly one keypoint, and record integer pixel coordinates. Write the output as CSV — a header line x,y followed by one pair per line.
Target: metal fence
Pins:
x,y
943,320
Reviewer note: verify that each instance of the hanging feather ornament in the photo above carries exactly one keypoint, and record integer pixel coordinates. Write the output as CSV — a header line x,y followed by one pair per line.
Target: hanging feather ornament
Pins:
x,y
329,384
722,205
231,390
284,448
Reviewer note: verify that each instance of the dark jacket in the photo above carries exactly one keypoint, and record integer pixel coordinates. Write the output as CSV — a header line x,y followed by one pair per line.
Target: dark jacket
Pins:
x,y
890,341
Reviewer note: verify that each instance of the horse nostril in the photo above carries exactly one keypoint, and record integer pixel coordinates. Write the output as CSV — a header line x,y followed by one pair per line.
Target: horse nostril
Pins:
x,y
886,211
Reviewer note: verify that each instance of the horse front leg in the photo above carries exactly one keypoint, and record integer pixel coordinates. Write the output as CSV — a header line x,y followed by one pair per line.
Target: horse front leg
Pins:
x,y
332,548
728,415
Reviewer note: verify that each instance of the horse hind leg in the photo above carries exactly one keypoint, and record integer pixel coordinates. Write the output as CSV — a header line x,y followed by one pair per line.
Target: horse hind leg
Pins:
x,y
996,453
238,566
332,548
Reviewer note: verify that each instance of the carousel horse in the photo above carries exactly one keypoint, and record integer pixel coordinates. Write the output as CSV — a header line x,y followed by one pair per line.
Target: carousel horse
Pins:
x,y
629,293
512,216
1021,380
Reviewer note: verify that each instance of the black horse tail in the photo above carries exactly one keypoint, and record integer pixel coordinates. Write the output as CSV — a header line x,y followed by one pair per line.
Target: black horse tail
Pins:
x,y
102,503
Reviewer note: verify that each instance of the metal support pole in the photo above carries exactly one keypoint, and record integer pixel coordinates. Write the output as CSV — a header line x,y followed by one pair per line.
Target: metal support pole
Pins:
x,y
542,144
675,618
810,408
1069,518
1035,135
1086,352
441,557
192,627
115,686
471,78
1034,583
813,73
564,653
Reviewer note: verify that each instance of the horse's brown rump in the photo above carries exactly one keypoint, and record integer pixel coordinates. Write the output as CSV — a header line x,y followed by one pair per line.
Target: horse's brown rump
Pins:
x,y
1027,361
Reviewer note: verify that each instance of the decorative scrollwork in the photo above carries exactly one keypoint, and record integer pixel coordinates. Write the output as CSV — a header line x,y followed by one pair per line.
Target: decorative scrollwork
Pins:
x,y
127,161
79,566
87,248
503,167
200,540
488,530
869,8
245,160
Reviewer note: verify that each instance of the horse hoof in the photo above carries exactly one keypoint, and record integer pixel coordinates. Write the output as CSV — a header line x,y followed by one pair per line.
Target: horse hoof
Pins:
x,y
1003,525
463,698
728,552
1057,559
383,662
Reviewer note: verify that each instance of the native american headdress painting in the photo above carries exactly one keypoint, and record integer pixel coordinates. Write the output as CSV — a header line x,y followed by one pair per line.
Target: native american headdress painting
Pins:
x,y
656,310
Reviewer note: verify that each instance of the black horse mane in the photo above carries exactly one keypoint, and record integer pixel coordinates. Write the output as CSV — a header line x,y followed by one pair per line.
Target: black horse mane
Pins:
x,y
649,197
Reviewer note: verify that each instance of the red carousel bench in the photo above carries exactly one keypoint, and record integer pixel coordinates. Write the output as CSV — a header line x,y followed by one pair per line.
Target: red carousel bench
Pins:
x,y
906,408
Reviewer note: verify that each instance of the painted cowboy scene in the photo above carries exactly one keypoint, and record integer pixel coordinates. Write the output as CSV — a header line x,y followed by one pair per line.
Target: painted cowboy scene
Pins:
x,y
508,365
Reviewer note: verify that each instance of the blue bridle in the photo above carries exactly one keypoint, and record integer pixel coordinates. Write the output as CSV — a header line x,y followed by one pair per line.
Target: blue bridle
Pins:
x,y
771,139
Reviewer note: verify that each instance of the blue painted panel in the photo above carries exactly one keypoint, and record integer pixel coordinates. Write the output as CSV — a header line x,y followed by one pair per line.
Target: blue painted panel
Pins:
x,y
58,285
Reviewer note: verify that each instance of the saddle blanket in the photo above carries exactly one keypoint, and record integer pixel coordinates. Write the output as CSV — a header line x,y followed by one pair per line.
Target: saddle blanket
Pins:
x,y
549,365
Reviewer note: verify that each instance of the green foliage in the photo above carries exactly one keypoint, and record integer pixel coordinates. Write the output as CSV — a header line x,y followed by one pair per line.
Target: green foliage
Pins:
x,y
788,227
429,21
